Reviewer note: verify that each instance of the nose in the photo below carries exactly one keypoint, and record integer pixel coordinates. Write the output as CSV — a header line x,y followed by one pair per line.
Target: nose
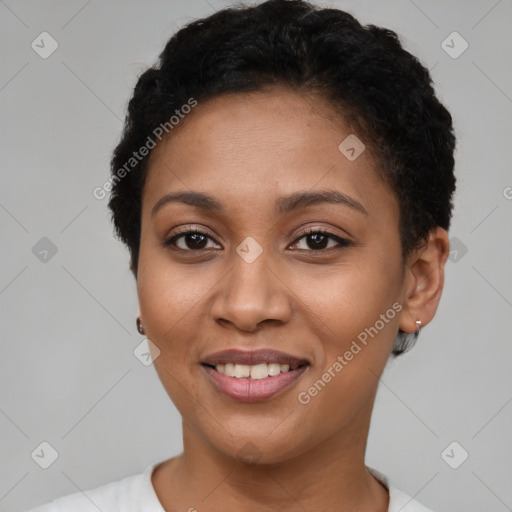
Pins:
x,y
252,294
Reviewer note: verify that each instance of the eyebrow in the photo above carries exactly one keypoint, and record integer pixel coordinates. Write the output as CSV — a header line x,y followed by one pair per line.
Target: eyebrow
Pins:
x,y
283,205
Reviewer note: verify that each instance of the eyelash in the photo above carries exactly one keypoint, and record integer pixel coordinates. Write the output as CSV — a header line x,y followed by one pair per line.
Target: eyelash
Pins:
x,y
342,242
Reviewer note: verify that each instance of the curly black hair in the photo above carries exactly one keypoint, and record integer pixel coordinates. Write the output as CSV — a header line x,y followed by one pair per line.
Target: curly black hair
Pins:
x,y
381,91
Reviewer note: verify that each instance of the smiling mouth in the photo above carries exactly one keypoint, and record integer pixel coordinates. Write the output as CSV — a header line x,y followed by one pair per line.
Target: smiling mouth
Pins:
x,y
255,371
252,376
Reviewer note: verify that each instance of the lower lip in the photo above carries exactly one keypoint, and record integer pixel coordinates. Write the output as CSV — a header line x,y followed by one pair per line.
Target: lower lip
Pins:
x,y
253,390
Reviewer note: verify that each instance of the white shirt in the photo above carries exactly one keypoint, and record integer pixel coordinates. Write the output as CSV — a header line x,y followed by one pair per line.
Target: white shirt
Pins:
x,y
136,494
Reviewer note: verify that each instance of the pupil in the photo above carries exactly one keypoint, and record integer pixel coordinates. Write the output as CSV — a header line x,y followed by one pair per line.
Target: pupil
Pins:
x,y
196,240
317,237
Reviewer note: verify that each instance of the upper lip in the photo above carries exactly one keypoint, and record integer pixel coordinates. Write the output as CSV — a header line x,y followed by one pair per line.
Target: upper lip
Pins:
x,y
252,357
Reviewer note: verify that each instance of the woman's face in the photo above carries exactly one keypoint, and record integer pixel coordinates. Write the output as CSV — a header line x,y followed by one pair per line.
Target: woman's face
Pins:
x,y
254,282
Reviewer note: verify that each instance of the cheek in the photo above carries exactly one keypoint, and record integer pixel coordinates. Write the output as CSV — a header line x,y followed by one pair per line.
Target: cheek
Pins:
x,y
165,304
173,303
351,296
356,343
354,312
168,293
169,305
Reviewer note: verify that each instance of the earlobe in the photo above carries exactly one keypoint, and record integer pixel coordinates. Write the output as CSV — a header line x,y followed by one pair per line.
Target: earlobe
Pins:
x,y
140,328
424,281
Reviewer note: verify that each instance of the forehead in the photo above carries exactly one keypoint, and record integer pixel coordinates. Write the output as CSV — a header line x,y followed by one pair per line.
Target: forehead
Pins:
x,y
246,148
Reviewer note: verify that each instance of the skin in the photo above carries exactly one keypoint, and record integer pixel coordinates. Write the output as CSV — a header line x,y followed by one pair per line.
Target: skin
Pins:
x,y
246,150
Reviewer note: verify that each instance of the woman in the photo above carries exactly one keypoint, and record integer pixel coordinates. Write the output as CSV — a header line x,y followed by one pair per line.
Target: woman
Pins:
x,y
284,186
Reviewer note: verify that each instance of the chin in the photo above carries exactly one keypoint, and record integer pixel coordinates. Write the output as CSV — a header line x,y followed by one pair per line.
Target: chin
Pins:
x,y
258,448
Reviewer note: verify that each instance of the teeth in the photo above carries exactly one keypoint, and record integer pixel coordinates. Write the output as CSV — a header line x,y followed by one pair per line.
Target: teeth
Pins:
x,y
255,371
259,371
274,369
242,370
229,369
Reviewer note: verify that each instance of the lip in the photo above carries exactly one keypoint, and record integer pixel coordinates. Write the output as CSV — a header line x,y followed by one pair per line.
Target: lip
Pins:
x,y
251,357
253,390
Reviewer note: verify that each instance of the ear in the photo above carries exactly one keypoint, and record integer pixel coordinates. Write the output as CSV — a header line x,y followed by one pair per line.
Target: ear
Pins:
x,y
424,280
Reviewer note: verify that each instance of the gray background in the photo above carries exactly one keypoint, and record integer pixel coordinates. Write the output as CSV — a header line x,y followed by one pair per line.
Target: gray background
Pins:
x,y
68,373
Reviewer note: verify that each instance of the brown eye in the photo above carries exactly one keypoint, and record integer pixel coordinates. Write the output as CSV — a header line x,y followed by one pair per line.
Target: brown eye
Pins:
x,y
193,240
316,240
